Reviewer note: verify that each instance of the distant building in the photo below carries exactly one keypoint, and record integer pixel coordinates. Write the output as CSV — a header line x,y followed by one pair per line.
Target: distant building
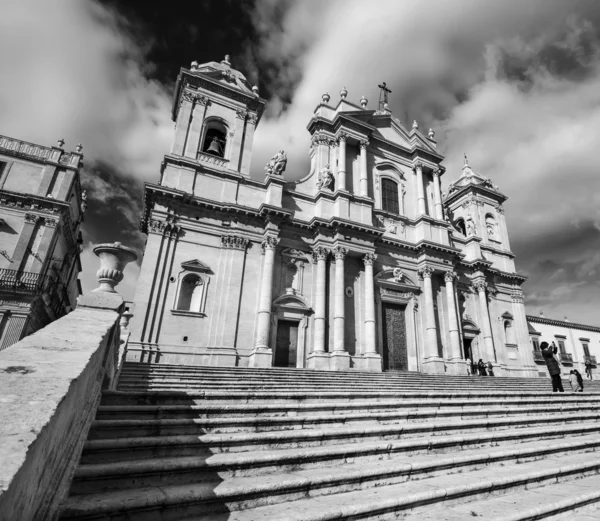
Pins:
x,y
360,264
41,210
577,343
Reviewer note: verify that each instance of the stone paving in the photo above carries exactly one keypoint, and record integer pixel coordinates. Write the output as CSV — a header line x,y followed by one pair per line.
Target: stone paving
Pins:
x,y
190,443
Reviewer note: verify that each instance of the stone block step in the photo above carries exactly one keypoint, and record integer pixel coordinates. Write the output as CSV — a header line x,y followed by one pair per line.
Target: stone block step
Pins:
x,y
317,396
215,410
189,445
577,500
394,467
120,428
243,500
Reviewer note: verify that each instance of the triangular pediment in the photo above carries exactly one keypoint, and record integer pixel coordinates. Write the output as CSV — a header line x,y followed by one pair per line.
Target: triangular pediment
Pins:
x,y
195,265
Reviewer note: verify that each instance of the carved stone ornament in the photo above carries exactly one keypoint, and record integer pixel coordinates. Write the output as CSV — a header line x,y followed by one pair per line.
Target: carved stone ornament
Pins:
x,y
398,294
369,259
415,302
339,252
499,209
234,242
480,285
319,253
397,275
252,118
241,114
425,272
449,276
363,144
318,138
31,218
325,179
50,223
155,226
277,164
517,296
418,166
342,137
269,243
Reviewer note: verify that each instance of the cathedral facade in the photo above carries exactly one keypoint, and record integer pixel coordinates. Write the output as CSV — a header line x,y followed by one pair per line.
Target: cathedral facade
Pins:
x,y
361,264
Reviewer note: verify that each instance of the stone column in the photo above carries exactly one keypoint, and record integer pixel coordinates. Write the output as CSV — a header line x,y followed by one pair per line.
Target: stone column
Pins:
x,y
432,362
455,354
372,360
340,359
194,135
341,179
522,334
262,354
364,178
437,195
480,286
319,359
421,208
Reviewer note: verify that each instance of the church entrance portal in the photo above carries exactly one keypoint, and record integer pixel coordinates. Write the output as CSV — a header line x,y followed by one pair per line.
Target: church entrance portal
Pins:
x,y
286,344
395,355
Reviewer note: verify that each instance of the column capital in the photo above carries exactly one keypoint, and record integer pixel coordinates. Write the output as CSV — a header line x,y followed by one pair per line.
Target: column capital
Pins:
x,y
480,285
363,144
369,259
233,241
319,253
333,143
50,223
269,243
437,172
425,272
418,166
517,296
31,218
241,114
450,276
342,137
339,252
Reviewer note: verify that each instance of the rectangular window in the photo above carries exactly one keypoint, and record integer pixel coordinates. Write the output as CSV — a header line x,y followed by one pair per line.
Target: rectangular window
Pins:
x,y
536,344
586,349
389,196
561,346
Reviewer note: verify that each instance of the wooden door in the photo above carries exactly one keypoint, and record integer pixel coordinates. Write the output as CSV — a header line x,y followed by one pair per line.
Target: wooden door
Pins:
x,y
287,343
395,354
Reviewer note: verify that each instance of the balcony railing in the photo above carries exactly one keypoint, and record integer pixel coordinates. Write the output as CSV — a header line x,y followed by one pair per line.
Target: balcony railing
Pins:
x,y
537,355
566,358
591,360
22,281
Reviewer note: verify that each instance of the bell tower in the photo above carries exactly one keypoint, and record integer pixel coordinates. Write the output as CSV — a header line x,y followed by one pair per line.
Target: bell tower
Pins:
x,y
216,112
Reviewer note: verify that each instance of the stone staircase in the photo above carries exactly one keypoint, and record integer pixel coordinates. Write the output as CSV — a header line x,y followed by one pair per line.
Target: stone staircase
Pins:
x,y
216,444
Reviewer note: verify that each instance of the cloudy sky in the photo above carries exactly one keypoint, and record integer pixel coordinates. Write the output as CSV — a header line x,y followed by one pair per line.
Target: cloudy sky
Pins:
x,y
514,83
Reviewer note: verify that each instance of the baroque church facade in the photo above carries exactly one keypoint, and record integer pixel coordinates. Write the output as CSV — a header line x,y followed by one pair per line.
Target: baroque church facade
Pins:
x,y
361,264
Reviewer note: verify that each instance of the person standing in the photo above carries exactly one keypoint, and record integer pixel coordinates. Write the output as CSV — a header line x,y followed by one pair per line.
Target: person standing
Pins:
x,y
490,368
553,366
579,379
481,367
573,381
588,369
469,367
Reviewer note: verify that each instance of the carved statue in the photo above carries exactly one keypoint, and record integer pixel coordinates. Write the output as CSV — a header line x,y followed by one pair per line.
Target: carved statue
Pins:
x,y
83,201
398,275
470,225
277,164
490,230
325,178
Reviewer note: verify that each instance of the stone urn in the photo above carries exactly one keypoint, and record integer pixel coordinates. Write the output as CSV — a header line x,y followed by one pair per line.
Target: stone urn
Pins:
x,y
113,259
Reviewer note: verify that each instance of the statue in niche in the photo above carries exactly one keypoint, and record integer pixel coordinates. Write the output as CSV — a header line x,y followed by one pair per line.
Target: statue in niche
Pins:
x,y
490,230
325,178
470,225
277,164
402,194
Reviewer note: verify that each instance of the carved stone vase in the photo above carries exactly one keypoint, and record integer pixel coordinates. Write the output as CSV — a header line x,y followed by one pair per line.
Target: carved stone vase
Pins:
x,y
113,259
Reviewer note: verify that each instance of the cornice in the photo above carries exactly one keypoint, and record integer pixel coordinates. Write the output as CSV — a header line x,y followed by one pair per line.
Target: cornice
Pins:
x,y
561,323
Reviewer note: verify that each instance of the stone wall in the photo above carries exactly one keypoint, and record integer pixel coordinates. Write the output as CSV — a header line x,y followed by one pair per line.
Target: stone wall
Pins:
x,y
50,384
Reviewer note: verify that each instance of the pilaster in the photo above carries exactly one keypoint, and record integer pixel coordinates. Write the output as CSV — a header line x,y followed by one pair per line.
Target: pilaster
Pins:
x,y
318,358
432,363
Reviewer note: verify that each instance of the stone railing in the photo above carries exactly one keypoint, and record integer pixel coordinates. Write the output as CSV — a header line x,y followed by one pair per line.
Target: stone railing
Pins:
x,y
50,383
21,281
25,149
566,358
211,159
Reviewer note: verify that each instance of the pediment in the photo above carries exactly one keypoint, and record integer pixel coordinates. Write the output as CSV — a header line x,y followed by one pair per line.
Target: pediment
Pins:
x,y
507,315
291,302
396,277
196,265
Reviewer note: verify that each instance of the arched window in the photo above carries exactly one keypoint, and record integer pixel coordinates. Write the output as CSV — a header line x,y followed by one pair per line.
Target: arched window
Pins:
x,y
215,138
191,293
460,226
509,333
389,196
490,224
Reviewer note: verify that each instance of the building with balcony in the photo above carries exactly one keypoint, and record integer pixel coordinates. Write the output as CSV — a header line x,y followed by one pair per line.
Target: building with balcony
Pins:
x,y
359,263
41,210
577,343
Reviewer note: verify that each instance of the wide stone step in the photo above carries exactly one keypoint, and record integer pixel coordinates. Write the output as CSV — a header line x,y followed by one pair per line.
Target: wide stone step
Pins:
x,y
317,396
574,501
187,445
396,467
200,409
326,495
105,428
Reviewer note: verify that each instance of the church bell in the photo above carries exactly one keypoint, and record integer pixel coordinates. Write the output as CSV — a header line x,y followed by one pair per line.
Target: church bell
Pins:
x,y
214,147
